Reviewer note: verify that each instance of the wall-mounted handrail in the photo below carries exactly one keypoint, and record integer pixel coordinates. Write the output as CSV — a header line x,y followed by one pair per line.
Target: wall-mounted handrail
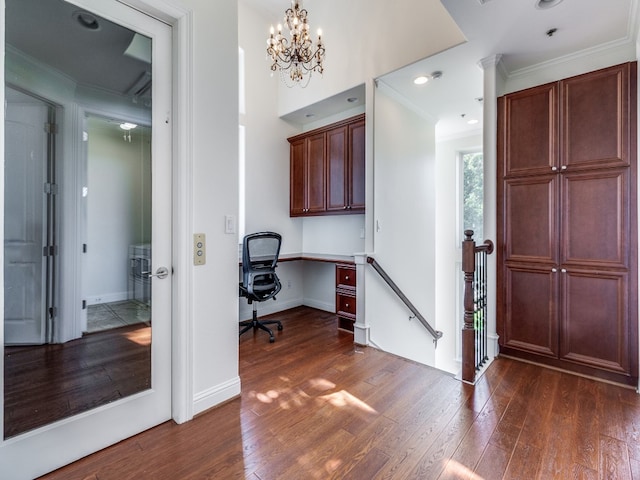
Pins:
x,y
436,334
474,331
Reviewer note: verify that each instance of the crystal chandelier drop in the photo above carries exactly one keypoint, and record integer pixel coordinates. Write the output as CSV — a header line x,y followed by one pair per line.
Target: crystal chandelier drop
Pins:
x,y
295,53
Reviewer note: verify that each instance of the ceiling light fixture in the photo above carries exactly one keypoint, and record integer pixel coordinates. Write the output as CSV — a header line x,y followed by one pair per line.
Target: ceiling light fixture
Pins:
x,y
86,20
542,4
422,79
295,52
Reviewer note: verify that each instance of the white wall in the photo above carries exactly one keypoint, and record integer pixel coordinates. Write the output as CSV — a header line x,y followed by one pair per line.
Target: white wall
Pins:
x,y
118,205
213,188
405,243
267,149
367,38
448,231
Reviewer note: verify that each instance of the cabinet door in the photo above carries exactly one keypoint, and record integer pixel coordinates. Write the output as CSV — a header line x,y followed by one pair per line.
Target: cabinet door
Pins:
x,y
297,202
357,166
595,118
528,129
531,323
315,168
530,219
595,321
337,169
595,218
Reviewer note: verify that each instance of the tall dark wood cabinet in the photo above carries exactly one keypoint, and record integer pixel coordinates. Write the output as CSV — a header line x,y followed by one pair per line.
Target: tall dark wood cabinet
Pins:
x,y
567,224
328,169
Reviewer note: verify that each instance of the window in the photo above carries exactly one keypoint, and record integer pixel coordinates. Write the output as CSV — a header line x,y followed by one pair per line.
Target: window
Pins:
x,y
473,194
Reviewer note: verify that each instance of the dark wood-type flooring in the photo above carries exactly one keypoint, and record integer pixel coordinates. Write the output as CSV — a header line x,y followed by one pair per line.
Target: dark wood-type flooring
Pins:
x,y
315,407
51,382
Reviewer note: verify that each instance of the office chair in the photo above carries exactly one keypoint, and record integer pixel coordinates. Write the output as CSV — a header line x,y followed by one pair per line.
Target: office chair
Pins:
x,y
259,280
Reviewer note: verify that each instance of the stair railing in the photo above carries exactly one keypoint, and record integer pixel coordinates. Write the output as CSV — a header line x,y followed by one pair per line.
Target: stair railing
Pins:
x,y
436,334
474,331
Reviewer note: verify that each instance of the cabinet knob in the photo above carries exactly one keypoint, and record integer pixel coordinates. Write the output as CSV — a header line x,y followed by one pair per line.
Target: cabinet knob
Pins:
x,y
346,305
346,277
345,207
554,168
563,167
554,270
564,270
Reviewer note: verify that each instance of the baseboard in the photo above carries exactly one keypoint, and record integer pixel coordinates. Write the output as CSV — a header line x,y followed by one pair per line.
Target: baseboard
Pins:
x,y
327,307
107,298
216,395
267,308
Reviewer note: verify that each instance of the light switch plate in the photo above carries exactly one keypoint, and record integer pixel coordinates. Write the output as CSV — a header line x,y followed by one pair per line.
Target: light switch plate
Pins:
x,y
199,249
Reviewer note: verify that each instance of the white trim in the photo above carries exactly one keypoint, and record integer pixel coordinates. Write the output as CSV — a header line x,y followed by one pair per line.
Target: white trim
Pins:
x,y
107,298
181,20
214,396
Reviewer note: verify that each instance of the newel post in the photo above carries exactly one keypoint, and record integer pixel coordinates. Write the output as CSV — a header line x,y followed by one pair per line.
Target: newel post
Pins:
x,y
468,332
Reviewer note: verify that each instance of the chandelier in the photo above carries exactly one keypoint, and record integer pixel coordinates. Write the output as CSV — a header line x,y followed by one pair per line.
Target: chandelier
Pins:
x,y
297,53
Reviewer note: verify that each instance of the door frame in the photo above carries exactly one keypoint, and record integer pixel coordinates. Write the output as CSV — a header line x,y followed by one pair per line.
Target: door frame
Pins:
x,y
181,22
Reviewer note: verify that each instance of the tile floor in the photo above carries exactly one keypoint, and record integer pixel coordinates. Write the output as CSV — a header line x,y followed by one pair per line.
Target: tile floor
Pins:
x,y
105,316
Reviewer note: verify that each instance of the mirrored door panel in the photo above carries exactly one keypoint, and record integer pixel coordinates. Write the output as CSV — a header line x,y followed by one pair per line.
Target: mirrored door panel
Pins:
x,y
87,218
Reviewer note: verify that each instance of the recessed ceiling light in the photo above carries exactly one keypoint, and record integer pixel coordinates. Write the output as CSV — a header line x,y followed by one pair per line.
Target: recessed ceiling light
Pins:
x,y
473,121
542,4
128,126
421,80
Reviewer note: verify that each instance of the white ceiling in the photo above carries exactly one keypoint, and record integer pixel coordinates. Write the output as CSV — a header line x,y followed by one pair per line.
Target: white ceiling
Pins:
x,y
49,32
514,28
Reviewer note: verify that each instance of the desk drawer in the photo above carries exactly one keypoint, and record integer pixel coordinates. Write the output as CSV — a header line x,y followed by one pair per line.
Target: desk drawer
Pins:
x,y
346,276
346,304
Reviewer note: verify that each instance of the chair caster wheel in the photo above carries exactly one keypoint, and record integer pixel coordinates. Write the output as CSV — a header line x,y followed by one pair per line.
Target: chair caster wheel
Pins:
x,y
271,339
280,327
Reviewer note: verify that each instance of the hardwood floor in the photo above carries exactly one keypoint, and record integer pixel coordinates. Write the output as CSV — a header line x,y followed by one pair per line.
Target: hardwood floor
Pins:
x,y
315,407
50,382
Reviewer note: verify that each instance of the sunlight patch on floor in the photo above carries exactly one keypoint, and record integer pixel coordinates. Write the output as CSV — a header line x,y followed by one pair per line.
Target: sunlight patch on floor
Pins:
x,y
288,398
141,336
345,399
455,469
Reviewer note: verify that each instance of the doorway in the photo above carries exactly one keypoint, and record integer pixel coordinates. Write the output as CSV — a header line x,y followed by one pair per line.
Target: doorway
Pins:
x,y
29,219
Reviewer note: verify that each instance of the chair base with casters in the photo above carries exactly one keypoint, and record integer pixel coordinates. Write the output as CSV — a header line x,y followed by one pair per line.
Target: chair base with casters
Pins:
x,y
256,324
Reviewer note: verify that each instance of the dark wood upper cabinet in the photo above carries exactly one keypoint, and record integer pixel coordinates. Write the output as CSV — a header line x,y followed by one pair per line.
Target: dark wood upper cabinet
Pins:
x,y
530,124
595,109
328,172
337,166
567,224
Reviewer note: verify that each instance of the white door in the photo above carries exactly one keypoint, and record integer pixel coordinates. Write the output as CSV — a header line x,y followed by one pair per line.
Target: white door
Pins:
x,y
25,219
36,452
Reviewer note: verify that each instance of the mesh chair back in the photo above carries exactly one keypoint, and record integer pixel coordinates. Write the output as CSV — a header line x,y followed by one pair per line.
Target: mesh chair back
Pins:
x,y
261,249
260,253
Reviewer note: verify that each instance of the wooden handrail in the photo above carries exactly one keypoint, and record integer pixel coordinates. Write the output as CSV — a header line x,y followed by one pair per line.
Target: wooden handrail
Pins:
x,y
436,334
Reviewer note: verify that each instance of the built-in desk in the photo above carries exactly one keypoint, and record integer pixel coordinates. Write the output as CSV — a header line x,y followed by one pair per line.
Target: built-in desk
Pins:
x,y
345,283
317,257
